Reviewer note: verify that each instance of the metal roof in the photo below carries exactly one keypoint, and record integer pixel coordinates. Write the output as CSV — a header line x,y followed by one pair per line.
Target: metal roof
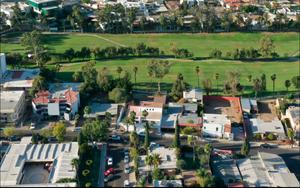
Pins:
x,y
225,168
245,104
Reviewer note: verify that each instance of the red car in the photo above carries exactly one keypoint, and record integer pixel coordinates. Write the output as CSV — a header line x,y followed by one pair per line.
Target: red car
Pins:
x,y
109,171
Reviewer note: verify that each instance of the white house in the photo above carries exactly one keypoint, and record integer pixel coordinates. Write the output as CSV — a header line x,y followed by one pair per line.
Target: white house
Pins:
x,y
266,128
216,125
194,94
140,6
192,3
7,9
61,100
293,113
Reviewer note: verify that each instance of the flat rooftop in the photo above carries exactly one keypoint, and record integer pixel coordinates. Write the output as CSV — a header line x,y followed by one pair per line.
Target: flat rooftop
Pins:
x,y
260,126
245,104
216,119
63,87
41,1
185,106
9,100
225,168
19,78
17,155
100,109
151,104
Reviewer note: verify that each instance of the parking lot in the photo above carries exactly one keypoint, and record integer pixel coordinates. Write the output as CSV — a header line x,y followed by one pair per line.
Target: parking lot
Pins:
x,y
229,108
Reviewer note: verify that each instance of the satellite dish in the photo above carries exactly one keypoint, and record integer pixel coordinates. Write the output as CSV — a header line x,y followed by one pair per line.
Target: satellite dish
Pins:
x,y
29,55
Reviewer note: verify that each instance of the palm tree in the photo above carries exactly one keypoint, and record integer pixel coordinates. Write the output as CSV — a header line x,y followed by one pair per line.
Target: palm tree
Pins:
x,y
192,141
287,84
119,70
74,163
87,110
208,148
273,78
126,121
202,174
249,80
142,182
57,68
150,74
145,113
197,70
149,161
156,159
134,137
216,77
134,70
257,85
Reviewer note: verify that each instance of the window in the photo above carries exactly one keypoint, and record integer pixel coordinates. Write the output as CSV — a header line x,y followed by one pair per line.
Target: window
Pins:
x,y
204,127
217,129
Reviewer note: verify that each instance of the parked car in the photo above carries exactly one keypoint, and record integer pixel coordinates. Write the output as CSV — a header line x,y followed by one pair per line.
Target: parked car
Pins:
x,y
207,140
76,130
183,137
126,151
109,171
126,183
249,116
245,115
39,137
114,137
265,146
53,138
241,129
109,161
126,159
127,169
32,126
142,134
142,151
13,138
153,144
109,177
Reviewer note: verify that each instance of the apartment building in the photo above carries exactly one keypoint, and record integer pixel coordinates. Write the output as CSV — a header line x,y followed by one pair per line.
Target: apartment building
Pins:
x,y
61,101
7,9
13,105
46,7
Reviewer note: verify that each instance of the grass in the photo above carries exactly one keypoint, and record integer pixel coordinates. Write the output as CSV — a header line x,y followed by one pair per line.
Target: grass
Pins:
x,y
92,177
203,44
283,70
190,163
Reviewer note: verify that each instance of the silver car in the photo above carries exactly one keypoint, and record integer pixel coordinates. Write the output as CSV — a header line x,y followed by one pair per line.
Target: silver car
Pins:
x,y
126,159
109,177
127,169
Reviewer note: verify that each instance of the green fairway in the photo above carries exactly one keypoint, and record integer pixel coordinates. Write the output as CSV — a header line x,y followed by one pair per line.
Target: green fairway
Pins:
x,y
203,44
55,43
283,70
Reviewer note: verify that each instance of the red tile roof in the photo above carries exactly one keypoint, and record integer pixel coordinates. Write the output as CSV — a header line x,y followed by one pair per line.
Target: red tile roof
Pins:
x,y
227,129
70,97
45,93
235,185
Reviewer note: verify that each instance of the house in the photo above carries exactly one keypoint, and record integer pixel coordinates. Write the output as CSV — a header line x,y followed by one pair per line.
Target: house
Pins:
x,y
266,128
225,169
293,113
194,94
181,112
62,100
7,9
50,162
100,109
225,2
140,6
13,104
191,3
174,5
216,125
168,164
45,7
270,170
167,183
248,105
16,79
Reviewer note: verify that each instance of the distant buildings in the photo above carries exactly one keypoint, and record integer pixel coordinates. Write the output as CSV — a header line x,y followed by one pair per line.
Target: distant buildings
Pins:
x,y
62,100
46,7
7,9
12,105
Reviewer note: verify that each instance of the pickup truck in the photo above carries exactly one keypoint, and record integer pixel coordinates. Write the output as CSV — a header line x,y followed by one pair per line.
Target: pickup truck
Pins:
x,y
114,137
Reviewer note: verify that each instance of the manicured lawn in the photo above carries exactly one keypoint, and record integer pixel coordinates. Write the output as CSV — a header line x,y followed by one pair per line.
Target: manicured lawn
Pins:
x,y
56,43
190,163
202,44
283,70
92,177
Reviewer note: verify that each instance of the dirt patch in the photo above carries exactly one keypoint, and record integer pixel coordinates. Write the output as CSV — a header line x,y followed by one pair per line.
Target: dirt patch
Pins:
x,y
267,110
237,46
278,47
13,41
229,108
154,43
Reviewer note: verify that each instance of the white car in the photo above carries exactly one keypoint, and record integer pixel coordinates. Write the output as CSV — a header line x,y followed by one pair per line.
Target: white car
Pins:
x,y
114,137
109,161
76,130
241,129
207,140
153,144
142,134
126,159
127,169
32,126
126,183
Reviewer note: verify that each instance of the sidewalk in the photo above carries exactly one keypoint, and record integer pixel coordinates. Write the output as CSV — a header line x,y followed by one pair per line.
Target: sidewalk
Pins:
x,y
132,179
102,165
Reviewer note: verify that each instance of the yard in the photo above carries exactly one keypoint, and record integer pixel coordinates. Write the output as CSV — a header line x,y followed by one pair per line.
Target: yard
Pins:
x,y
93,176
267,110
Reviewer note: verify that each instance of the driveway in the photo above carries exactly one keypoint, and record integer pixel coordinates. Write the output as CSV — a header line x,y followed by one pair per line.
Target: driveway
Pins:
x,y
238,136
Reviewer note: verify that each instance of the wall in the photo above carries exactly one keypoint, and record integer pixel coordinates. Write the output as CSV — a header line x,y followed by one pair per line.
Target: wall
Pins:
x,y
2,66
210,130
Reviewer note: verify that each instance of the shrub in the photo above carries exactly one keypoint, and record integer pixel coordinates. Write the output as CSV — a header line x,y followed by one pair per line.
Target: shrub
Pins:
x,y
172,146
257,136
272,137
239,155
188,131
74,140
157,174
88,184
89,162
204,158
171,95
180,164
85,172
225,137
44,141
176,98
